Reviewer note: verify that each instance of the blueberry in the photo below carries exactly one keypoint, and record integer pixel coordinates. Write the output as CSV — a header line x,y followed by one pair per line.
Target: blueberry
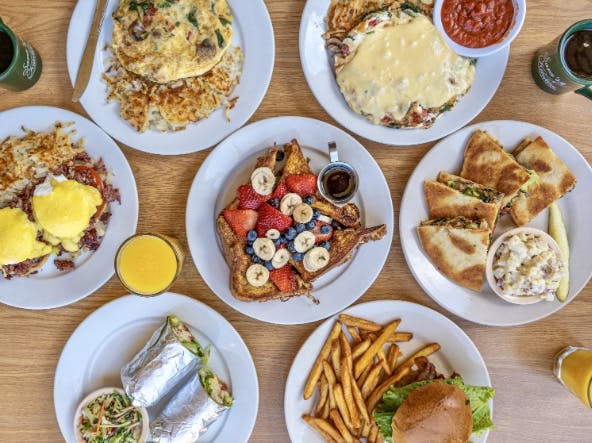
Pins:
x,y
315,214
326,245
308,200
275,202
297,256
279,156
268,265
325,229
310,225
291,247
290,233
300,227
252,236
249,250
255,259
278,242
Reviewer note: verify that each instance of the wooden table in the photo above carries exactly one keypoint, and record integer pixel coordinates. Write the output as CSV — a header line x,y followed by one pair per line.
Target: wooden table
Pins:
x,y
530,406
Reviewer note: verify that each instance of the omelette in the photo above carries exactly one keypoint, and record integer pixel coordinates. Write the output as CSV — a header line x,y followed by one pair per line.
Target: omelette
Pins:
x,y
168,40
378,71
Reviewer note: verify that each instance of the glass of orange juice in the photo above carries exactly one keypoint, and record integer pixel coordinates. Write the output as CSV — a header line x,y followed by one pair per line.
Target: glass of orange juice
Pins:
x,y
149,264
573,368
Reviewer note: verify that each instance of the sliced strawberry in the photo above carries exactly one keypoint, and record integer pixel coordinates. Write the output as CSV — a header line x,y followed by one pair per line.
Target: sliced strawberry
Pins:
x,y
241,220
284,278
248,198
302,184
280,191
271,218
320,237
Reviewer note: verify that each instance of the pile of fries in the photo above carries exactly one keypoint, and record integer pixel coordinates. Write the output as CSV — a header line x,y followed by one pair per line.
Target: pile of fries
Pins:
x,y
353,374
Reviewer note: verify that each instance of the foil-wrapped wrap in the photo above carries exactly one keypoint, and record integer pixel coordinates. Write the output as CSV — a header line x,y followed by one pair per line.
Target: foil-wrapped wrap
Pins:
x,y
171,354
190,412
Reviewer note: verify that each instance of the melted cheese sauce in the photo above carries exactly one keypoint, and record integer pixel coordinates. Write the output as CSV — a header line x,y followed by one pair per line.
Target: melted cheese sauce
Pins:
x,y
402,63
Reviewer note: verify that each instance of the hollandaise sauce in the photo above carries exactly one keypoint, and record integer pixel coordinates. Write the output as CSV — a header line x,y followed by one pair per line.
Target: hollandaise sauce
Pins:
x,y
573,367
148,264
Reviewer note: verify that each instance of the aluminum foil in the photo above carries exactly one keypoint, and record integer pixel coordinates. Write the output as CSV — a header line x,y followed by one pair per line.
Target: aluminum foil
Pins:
x,y
186,416
159,366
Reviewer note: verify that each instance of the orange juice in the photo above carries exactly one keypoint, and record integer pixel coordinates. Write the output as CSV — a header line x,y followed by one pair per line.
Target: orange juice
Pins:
x,y
573,367
148,264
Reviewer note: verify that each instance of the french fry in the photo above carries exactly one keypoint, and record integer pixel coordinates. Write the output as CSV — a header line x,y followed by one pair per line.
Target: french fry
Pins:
x,y
365,429
325,413
346,383
328,371
362,378
359,400
323,427
360,323
355,335
373,434
400,336
367,357
392,356
336,358
384,363
377,394
340,400
345,349
360,348
423,352
324,393
371,381
340,425
317,367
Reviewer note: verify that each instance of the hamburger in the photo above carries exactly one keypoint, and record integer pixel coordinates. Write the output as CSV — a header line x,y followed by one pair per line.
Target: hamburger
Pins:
x,y
436,410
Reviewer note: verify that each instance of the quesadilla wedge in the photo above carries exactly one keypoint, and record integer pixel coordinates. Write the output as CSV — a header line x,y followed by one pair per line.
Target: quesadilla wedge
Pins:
x,y
452,196
457,246
486,162
552,179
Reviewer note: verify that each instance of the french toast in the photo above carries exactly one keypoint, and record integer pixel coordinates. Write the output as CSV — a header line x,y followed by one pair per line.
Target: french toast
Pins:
x,y
279,233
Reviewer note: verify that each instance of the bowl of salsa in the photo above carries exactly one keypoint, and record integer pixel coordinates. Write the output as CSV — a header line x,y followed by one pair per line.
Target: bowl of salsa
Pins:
x,y
478,28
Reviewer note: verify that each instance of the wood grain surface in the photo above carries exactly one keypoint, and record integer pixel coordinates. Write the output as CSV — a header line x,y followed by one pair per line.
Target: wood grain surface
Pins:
x,y
530,406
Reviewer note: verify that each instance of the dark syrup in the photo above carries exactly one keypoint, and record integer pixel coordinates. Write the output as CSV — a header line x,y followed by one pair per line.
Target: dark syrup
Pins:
x,y
339,183
578,54
6,52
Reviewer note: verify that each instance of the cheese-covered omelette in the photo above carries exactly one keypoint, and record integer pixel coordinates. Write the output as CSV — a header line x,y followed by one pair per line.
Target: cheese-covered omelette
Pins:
x,y
397,70
167,40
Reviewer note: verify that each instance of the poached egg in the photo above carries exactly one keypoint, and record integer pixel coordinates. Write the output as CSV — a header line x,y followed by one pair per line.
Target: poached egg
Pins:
x,y
18,238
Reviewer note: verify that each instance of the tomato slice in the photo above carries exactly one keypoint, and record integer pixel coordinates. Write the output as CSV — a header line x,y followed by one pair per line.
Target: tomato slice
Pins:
x,y
96,181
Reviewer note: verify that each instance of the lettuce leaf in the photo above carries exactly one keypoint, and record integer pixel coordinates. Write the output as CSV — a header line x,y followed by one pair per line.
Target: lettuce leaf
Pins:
x,y
478,396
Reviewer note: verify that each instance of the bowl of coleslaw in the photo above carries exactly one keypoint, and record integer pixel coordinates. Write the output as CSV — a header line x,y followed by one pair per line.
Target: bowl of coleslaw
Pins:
x,y
107,415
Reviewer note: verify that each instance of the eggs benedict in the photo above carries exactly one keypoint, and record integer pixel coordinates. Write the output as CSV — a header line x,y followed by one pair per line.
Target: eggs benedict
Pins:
x,y
19,244
63,209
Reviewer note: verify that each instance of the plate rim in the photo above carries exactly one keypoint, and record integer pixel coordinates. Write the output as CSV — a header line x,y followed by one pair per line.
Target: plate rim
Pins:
x,y
169,298
390,140
132,138
55,113
293,121
404,245
292,377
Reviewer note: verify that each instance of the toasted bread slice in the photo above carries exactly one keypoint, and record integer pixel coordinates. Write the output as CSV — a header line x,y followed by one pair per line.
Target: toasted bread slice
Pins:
x,y
486,162
348,215
343,244
458,248
553,180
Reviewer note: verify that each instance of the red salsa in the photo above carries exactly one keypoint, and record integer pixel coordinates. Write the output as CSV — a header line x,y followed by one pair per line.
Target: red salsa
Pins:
x,y
477,23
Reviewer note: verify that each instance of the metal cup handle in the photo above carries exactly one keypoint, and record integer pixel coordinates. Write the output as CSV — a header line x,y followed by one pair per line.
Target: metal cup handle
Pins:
x,y
333,155
586,92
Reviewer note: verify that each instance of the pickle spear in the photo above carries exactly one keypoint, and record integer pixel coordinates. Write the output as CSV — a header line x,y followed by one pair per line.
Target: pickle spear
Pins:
x,y
559,234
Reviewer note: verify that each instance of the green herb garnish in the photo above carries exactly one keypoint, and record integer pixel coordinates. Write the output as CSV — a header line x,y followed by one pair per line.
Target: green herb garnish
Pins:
x,y
192,19
220,38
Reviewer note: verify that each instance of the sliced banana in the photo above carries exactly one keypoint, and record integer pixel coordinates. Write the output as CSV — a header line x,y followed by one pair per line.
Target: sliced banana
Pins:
x,y
289,202
273,234
315,259
302,213
264,248
325,219
304,241
280,258
262,180
257,275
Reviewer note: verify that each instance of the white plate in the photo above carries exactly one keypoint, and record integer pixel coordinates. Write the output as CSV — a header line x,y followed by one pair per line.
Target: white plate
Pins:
x,y
253,32
111,336
230,165
51,288
458,354
318,69
485,307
